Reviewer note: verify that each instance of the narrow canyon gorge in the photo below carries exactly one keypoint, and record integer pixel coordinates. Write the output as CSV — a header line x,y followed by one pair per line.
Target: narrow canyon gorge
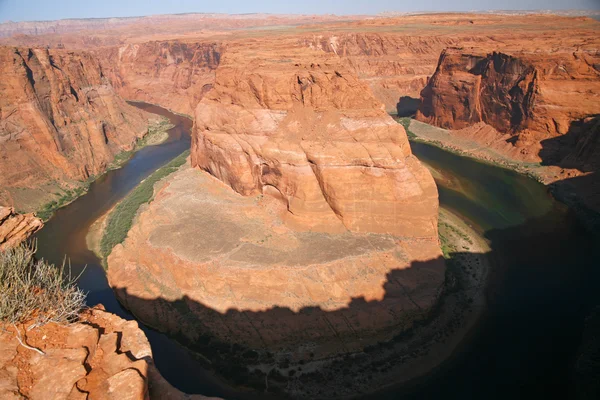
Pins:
x,y
302,230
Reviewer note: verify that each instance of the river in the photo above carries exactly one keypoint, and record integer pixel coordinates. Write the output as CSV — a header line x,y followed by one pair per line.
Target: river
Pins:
x,y
542,284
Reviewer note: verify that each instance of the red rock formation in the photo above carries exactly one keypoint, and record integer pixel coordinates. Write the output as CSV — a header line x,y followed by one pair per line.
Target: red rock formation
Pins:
x,y
312,134
60,122
101,356
530,96
175,75
16,228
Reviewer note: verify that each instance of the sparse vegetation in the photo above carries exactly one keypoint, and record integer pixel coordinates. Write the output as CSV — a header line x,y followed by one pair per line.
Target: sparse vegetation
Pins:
x,y
120,220
63,199
36,289
157,133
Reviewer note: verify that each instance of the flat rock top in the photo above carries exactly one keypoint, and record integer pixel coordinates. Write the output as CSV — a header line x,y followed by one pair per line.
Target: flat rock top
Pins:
x,y
202,220
200,255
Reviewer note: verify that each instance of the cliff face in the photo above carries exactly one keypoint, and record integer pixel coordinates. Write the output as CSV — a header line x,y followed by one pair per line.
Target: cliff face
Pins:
x,y
530,96
313,135
60,122
173,74
392,65
16,228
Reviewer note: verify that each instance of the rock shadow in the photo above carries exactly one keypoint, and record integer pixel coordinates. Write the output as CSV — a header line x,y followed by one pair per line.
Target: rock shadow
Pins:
x,y
407,106
579,149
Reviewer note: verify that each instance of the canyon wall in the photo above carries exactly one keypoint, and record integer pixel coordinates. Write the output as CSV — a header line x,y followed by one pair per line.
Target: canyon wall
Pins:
x,y
394,66
172,74
61,122
531,97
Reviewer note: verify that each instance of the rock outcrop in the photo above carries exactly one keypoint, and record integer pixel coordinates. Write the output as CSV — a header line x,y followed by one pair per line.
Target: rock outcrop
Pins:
x,y
327,242
310,133
174,74
101,357
529,96
60,122
16,228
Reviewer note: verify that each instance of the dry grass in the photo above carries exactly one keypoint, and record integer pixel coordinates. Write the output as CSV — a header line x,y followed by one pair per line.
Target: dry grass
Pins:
x,y
36,289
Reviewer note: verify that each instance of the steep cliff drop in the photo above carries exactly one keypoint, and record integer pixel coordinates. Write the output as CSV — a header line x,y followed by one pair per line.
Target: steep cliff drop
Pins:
x,y
61,122
174,74
529,107
318,237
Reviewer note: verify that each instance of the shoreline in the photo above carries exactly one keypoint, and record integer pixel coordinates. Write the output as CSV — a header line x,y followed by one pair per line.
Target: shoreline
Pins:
x,y
559,189
410,355
157,132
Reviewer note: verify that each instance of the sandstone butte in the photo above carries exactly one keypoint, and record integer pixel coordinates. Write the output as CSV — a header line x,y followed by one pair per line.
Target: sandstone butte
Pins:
x,y
535,107
16,228
61,122
314,230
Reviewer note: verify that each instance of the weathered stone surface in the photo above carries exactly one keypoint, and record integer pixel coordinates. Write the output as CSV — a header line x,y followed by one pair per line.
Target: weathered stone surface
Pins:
x,y
174,74
202,261
100,357
60,122
16,228
532,97
313,135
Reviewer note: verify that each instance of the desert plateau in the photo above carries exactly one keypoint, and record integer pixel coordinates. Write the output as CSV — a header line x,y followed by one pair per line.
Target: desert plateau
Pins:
x,y
285,205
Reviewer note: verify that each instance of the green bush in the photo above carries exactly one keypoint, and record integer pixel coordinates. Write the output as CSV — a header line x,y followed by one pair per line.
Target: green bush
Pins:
x,y
36,289
121,218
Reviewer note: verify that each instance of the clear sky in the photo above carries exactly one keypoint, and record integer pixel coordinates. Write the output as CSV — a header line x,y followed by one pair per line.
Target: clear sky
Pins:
x,y
30,10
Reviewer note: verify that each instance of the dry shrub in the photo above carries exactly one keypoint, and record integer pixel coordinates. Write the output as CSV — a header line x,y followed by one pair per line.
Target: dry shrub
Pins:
x,y
33,288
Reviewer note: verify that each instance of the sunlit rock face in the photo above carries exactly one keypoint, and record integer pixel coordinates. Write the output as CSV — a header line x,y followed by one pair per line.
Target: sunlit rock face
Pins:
x,y
173,74
314,136
60,122
531,96
304,224
16,228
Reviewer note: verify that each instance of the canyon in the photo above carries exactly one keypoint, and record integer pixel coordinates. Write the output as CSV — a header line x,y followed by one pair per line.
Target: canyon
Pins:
x,y
61,123
537,108
302,228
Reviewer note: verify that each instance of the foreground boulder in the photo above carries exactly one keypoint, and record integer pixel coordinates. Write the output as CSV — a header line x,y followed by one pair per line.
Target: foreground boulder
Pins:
x,y
16,228
101,357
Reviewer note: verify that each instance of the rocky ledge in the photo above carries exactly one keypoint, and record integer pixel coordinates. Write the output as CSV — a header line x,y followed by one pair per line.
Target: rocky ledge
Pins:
x,y
16,228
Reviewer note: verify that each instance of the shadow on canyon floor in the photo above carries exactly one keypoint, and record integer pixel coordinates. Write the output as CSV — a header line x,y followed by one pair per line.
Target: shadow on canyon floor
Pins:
x,y
527,344
407,106
579,148
542,286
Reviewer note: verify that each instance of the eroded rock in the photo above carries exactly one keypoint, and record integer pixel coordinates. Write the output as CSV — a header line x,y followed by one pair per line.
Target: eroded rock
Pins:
x,y
16,228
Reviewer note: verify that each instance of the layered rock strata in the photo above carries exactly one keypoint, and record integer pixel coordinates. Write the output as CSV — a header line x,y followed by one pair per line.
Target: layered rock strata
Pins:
x,y
530,97
315,233
16,228
60,122
174,74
